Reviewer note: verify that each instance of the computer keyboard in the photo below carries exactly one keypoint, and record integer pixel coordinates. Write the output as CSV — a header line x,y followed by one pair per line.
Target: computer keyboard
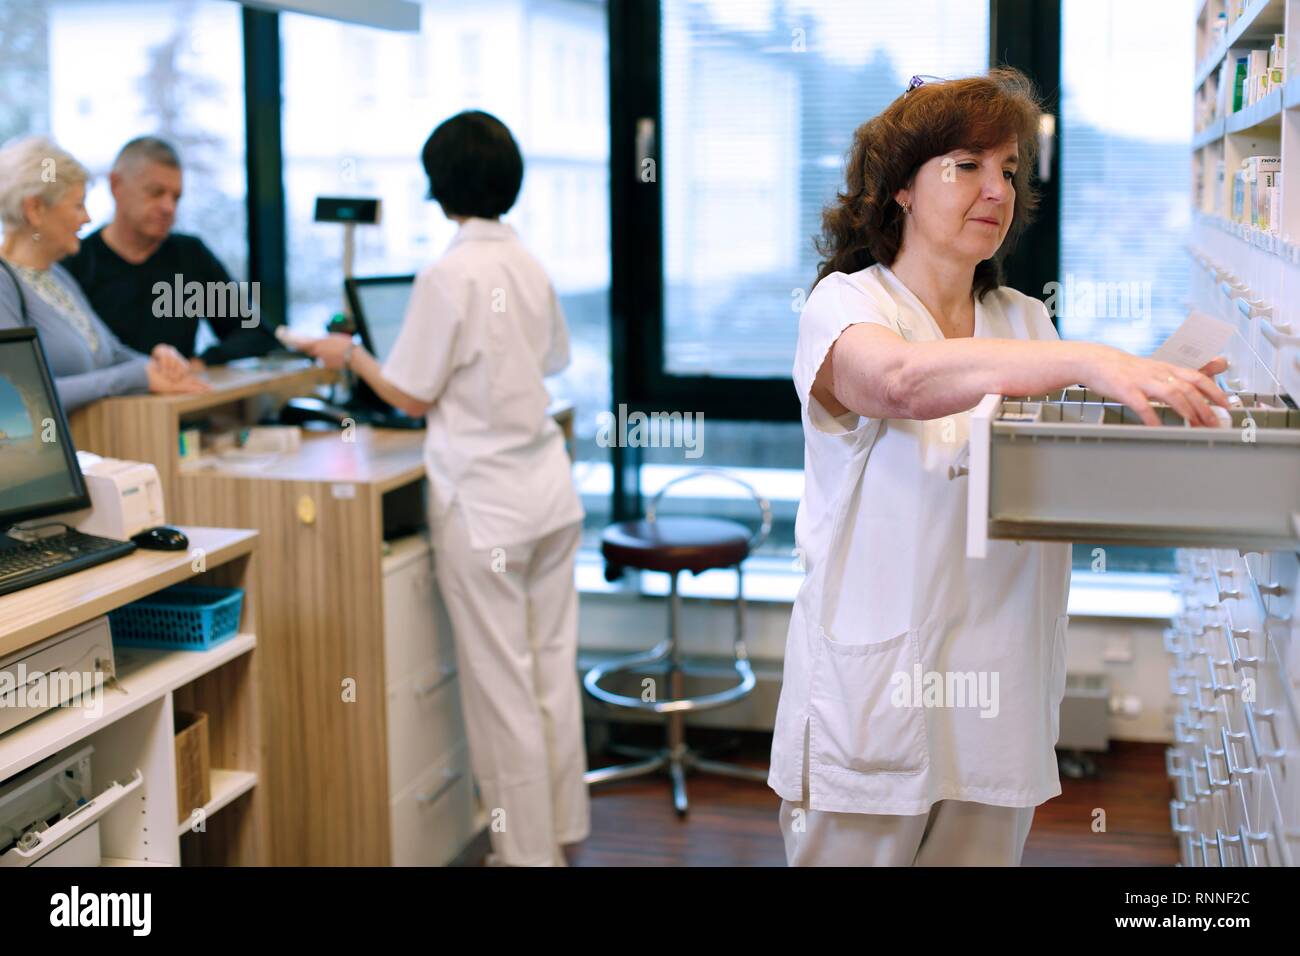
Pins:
x,y
24,563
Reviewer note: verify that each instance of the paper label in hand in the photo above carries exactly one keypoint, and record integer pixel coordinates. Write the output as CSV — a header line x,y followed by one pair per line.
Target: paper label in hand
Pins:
x,y
292,340
1198,340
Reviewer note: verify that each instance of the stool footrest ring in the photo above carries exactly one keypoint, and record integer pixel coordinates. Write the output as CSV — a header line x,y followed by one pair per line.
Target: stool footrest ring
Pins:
x,y
591,681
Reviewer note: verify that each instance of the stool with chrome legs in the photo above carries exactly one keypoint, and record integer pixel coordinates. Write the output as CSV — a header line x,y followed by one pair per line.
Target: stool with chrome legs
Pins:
x,y
672,545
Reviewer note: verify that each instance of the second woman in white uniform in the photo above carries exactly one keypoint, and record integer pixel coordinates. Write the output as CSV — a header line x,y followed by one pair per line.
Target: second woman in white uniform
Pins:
x,y
920,704
482,330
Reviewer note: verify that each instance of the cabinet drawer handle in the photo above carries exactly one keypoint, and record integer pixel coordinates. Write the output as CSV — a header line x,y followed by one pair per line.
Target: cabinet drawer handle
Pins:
x,y
1230,754
1172,757
1216,689
1276,590
453,777
1221,838
1201,793
1252,728
1183,730
1223,784
1235,634
446,673
1177,807
1277,331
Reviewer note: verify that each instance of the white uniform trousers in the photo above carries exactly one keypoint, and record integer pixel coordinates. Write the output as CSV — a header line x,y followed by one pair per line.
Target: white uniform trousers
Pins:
x,y
514,617
952,833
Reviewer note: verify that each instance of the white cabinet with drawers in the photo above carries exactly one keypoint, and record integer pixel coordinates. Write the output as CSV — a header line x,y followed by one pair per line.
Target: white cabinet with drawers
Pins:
x,y
1235,758
433,804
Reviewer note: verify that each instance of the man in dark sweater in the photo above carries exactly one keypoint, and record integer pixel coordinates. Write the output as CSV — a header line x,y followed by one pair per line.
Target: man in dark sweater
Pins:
x,y
152,285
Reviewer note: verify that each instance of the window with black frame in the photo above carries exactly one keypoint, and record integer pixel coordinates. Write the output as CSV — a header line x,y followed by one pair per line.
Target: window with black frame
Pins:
x,y
757,106
1125,202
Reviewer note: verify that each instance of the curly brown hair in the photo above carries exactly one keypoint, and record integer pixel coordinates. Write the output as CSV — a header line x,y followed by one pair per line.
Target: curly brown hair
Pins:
x,y
865,225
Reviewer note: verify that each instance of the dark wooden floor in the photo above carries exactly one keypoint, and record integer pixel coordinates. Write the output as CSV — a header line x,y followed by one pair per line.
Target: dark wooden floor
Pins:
x,y
734,823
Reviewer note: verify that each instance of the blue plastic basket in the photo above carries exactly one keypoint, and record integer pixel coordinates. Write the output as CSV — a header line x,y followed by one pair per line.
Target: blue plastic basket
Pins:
x,y
184,617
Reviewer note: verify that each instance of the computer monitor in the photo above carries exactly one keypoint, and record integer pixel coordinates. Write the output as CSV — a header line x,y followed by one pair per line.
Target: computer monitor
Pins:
x,y
378,306
39,473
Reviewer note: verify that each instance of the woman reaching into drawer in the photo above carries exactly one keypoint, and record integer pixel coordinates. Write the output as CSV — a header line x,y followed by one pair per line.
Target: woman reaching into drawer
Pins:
x,y
919,710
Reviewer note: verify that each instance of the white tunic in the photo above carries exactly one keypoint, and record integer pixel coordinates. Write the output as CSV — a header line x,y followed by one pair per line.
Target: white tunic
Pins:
x,y
924,675
482,329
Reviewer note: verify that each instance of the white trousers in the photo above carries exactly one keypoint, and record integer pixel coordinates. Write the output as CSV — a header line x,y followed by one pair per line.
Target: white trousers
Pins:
x,y
952,833
514,617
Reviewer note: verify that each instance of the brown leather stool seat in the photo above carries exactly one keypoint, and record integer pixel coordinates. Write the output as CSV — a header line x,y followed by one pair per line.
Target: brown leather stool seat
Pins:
x,y
674,544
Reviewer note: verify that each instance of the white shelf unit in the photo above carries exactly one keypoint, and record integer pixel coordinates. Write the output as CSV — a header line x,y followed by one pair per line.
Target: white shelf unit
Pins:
x,y
134,731
131,723
1234,763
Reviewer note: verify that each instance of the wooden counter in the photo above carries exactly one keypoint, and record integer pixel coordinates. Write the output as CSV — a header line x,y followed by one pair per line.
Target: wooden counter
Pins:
x,y
320,512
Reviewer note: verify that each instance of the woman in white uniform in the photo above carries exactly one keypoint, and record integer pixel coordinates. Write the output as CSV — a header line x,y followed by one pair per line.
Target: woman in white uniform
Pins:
x,y
482,329
920,704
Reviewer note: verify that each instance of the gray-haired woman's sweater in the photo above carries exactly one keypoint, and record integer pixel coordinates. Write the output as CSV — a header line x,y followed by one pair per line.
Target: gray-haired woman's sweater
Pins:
x,y
81,374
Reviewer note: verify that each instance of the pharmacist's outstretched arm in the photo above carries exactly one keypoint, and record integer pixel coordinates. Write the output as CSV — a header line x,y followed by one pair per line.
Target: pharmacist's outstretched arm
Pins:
x,y
878,374
336,349
369,368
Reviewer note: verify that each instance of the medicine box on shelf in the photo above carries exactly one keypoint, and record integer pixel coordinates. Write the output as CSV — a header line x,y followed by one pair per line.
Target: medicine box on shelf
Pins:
x,y
1077,466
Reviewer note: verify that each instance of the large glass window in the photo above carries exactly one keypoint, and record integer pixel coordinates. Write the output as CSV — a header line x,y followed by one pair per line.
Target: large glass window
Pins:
x,y
760,101
1125,191
95,73
1126,130
359,104
759,104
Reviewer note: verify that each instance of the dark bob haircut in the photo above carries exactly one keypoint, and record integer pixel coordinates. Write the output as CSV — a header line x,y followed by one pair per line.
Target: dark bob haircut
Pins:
x,y
864,224
474,166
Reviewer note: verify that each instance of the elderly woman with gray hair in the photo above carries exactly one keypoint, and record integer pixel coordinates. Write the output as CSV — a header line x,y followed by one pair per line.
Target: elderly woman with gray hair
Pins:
x,y
42,207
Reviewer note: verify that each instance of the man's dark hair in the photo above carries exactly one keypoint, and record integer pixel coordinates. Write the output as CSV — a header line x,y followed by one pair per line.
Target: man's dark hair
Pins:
x,y
474,166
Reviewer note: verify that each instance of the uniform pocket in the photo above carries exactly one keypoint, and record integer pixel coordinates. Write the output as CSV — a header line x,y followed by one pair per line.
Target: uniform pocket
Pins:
x,y
863,717
1056,682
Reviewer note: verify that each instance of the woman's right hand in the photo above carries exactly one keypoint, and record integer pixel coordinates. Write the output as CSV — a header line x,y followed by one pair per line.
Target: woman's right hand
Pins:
x,y
162,382
1138,381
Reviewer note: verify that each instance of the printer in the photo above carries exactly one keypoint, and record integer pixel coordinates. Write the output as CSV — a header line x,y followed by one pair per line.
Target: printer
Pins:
x,y
125,497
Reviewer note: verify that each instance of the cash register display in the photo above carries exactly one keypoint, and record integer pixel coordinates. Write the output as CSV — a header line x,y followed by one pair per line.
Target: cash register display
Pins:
x,y
39,474
382,307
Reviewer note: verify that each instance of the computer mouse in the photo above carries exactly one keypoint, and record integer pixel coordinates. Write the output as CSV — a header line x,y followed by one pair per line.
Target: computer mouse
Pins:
x,y
162,538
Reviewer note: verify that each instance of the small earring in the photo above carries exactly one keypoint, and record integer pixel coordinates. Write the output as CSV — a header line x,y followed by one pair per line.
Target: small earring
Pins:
x,y
907,208
36,237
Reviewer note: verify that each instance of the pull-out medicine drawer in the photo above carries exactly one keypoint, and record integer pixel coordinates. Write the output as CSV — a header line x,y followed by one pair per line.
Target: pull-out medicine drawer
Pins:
x,y
1080,467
